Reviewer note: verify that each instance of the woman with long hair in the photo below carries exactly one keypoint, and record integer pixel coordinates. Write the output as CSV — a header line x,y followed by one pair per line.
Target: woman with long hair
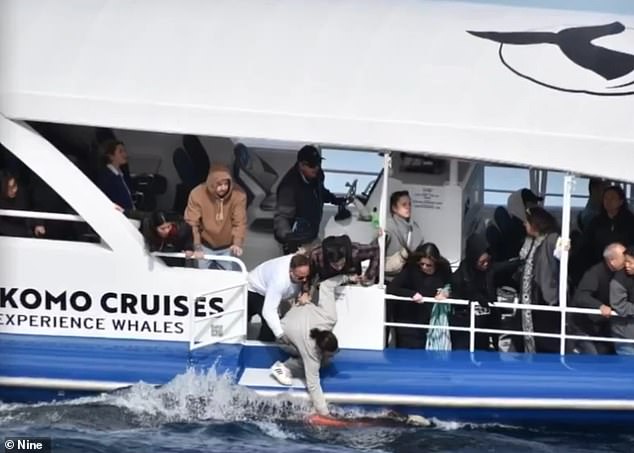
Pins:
x,y
13,197
426,274
402,233
540,279
166,235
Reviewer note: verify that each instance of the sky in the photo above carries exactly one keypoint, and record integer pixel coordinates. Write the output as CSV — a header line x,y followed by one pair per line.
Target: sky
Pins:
x,y
605,6
496,178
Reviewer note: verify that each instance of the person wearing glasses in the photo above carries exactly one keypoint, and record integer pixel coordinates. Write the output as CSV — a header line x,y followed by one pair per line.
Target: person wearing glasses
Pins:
x,y
426,274
300,201
268,284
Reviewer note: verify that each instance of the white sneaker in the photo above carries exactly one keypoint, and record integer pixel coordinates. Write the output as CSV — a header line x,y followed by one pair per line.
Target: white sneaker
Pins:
x,y
282,374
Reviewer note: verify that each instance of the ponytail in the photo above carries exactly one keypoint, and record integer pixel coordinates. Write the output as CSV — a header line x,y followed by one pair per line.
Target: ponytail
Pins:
x,y
325,339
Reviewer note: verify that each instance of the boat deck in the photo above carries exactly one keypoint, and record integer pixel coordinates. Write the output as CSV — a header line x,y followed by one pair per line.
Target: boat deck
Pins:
x,y
429,381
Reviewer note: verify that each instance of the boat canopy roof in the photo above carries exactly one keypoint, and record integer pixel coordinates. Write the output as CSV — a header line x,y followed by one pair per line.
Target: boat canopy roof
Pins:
x,y
379,74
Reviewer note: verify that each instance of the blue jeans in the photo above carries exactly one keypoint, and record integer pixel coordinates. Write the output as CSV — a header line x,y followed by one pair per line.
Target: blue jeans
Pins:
x,y
624,348
217,264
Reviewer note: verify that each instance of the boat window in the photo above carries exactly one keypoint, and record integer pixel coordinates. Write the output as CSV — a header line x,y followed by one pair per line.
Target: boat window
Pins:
x,y
554,190
344,166
499,182
49,216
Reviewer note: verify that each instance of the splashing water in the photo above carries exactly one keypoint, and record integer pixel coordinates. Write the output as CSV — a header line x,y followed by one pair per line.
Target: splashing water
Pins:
x,y
209,412
190,397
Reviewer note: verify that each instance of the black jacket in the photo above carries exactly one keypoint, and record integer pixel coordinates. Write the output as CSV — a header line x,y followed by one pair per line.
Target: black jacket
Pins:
x,y
481,286
409,281
603,231
300,207
622,301
594,288
179,240
16,226
470,283
412,280
592,292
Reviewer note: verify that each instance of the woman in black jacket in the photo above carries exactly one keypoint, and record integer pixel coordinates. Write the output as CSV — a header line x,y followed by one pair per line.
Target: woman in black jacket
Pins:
x,y
426,274
477,280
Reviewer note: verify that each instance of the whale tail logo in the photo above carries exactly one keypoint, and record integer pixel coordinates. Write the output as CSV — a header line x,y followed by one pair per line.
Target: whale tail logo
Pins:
x,y
576,44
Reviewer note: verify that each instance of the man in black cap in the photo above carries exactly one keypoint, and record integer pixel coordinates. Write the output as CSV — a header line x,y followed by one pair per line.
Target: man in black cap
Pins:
x,y
300,201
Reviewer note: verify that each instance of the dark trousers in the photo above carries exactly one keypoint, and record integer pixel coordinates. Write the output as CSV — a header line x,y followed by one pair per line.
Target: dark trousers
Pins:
x,y
410,313
483,341
255,302
594,326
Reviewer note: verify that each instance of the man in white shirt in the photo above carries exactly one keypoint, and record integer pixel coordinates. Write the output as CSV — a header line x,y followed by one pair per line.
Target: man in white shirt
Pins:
x,y
270,283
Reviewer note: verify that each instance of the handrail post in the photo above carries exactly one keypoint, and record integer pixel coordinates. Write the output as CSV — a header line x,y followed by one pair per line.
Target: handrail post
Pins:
x,y
192,305
471,328
563,261
383,207
245,296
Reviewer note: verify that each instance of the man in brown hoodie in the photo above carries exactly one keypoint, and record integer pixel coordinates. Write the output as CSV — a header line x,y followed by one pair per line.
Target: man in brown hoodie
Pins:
x,y
217,213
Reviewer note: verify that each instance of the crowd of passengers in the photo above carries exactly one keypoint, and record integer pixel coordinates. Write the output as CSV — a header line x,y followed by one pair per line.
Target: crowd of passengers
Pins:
x,y
516,258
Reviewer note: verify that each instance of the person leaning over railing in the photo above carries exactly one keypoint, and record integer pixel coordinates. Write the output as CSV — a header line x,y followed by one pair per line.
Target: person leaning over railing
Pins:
x,y
622,301
593,291
477,279
166,235
217,213
268,284
426,274
338,255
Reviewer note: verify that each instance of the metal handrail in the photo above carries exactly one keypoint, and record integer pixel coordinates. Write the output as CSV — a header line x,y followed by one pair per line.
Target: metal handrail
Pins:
x,y
587,311
211,317
41,215
472,329
193,322
232,259
547,194
348,172
53,216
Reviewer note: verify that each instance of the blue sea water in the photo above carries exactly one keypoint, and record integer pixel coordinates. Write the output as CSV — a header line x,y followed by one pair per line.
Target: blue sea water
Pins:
x,y
205,413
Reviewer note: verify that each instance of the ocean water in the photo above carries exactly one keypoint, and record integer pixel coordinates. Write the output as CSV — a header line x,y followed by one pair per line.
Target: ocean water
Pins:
x,y
207,413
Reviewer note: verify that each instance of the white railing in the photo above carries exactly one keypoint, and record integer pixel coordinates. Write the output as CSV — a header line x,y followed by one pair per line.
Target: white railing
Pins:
x,y
231,259
198,327
53,216
41,215
473,330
